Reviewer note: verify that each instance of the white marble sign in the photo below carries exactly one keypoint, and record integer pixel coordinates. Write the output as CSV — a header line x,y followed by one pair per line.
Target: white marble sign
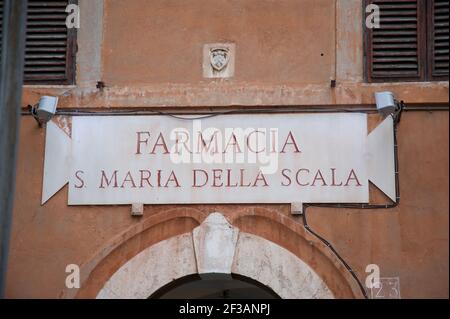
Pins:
x,y
251,158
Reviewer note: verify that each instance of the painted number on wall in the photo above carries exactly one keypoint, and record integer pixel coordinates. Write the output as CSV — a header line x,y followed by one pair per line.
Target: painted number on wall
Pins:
x,y
389,288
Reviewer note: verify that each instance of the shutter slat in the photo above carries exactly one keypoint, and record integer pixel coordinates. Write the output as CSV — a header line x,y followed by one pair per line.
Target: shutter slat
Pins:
x,y
442,64
394,40
47,30
440,52
390,66
397,19
443,24
441,58
398,14
49,76
45,43
45,56
39,23
387,33
393,73
406,26
45,50
39,63
47,17
36,68
381,53
42,10
395,59
395,46
48,36
46,4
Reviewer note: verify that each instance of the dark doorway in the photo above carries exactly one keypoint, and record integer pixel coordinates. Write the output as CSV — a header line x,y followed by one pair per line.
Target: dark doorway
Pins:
x,y
214,286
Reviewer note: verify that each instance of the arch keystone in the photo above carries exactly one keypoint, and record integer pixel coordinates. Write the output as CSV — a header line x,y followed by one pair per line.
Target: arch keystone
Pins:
x,y
215,244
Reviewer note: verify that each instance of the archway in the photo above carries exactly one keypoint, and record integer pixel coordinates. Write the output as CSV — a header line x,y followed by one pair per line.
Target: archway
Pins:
x,y
215,247
214,286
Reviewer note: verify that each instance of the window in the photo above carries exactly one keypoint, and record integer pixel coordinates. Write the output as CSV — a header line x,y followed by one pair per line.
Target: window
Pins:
x,y
50,45
411,43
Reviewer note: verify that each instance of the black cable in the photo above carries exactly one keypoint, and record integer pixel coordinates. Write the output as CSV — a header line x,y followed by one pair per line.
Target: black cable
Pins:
x,y
349,269
191,118
205,114
396,117
209,114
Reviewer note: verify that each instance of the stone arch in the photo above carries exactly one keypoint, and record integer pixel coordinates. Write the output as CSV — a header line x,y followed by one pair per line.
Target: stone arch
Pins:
x,y
99,267
273,225
215,247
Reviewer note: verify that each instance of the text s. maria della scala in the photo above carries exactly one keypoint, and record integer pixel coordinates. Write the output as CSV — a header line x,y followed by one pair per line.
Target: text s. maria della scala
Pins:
x,y
216,175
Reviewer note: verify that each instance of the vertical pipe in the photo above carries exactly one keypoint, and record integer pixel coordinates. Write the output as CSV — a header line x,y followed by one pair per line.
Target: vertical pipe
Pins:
x,y
11,79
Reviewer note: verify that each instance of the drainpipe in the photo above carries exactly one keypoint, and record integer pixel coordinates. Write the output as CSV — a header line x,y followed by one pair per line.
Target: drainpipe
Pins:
x,y
11,79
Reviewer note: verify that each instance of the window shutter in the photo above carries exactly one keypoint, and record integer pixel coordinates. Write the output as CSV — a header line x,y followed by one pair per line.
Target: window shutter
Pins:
x,y
396,50
50,46
49,56
438,39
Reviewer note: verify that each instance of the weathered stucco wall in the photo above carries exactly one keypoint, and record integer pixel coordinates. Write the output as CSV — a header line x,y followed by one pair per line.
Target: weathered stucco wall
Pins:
x,y
273,44
410,241
151,57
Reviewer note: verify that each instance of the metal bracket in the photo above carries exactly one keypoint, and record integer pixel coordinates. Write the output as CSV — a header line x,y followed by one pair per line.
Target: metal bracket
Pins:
x,y
137,209
296,208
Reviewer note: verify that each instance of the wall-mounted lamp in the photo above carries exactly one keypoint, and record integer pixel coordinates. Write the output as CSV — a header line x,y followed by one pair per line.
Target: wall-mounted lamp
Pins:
x,y
386,103
45,109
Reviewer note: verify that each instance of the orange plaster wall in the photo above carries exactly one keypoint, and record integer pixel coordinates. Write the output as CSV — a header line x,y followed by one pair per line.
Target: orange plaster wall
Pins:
x,y
163,40
410,241
151,57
